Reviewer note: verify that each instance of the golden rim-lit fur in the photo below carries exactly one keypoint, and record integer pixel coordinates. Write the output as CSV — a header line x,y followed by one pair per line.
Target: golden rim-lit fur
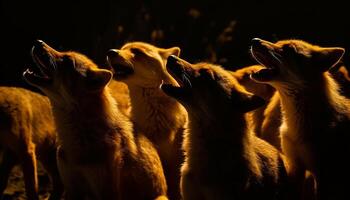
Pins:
x,y
158,116
224,159
316,118
99,157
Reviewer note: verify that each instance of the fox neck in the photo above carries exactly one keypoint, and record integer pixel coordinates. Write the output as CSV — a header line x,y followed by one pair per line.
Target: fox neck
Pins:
x,y
92,123
155,113
219,141
309,110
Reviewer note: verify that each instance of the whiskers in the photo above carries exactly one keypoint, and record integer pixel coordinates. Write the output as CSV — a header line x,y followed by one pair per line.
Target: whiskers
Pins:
x,y
53,62
185,77
276,56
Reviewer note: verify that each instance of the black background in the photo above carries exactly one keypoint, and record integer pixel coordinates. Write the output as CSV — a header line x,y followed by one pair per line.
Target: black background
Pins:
x,y
215,31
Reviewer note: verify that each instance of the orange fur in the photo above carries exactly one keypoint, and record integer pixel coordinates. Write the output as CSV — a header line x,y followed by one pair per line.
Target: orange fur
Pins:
x,y
267,119
272,121
262,90
316,118
27,132
243,77
120,93
99,157
223,157
159,117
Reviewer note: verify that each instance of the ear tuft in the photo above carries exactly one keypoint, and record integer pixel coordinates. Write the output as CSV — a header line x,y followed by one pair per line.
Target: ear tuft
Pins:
x,y
98,78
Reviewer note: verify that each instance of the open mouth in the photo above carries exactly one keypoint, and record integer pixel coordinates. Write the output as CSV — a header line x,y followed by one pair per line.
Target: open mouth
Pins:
x,y
178,72
121,68
41,73
269,59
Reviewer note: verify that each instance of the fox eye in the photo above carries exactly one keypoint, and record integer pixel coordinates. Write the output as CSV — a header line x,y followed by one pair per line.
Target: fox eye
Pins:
x,y
67,60
205,74
288,49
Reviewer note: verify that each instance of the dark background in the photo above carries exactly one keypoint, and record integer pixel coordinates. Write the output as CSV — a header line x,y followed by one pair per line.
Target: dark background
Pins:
x,y
215,31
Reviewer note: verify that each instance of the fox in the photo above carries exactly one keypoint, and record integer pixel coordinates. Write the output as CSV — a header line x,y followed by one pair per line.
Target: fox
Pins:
x,y
27,133
315,116
268,123
161,118
261,125
267,119
223,157
99,154
242,75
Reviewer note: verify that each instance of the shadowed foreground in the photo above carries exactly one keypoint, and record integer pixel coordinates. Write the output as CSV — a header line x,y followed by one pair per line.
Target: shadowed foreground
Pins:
x,y
15,187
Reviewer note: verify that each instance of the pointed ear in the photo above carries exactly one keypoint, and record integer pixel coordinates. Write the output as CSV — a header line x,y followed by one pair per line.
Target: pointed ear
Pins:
x,y
251,102
165,53
98,78
329,57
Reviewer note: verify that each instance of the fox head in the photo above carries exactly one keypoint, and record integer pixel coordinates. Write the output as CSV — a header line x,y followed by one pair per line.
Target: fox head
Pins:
x,y
65,76
209,90
291,63
141,64
261,89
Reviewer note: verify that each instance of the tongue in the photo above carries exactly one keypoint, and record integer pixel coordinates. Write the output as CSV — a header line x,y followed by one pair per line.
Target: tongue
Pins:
x,y
264,74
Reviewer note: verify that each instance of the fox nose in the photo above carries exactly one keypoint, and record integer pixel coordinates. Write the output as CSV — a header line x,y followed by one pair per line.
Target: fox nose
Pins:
x,y
39,43
112,52
172,59
256,41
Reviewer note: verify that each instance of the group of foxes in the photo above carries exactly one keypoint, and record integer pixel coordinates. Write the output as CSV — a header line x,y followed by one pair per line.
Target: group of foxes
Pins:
x,y
151,125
